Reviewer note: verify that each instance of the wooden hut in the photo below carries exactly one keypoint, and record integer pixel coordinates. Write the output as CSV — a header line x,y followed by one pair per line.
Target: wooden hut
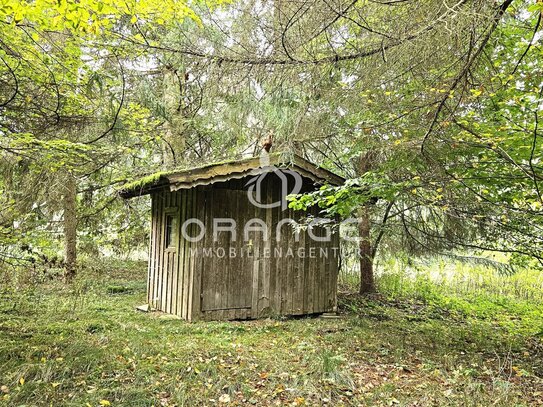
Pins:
x,y
222,244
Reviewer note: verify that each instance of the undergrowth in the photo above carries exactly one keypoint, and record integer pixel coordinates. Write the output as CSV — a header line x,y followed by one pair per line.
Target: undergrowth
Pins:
x,y
417,343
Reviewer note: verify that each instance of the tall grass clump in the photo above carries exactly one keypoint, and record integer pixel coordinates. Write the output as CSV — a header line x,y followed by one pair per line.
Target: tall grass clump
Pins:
x,y
514,299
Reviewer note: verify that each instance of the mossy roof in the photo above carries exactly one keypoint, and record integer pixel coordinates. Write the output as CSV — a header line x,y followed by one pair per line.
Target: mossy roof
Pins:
x,y
184,178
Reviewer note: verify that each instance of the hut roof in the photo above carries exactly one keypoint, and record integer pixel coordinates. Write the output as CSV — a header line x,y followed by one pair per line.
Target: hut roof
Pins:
x,y
224,171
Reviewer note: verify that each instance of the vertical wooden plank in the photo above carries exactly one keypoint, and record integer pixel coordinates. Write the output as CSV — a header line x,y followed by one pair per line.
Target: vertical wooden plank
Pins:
x,y
322,274
279,249
276,261
299,275
232,265
166,275
254,288
187,261
292,263
184,258
175,260
164,279
185,264
307,289
167,268
266,269
175,252
160,252
212,297
329,273
277,252
150,255
152,293
242,266
169,263
245,279
151,260
216,263
169,275
195,303
246,262
242,280
187,257
152,289
318,269
257,260
199,213
181,253
335,264
223,266
285,268
314,279
161,276
169,278
294,270
327,249
210,280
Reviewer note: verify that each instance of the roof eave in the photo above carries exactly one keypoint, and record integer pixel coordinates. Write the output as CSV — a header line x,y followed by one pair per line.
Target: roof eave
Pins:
x,y
214,173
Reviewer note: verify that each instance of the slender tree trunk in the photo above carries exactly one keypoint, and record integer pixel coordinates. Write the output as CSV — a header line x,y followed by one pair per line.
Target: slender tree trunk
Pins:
x,y
175,90
367,281
70,226
365,252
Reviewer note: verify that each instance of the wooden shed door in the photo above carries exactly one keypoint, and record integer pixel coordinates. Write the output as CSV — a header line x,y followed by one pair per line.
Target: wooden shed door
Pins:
x,y
227,274
168,283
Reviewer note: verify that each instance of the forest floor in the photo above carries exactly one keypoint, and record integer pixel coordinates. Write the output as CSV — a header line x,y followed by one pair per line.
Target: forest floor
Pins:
x,y
85,345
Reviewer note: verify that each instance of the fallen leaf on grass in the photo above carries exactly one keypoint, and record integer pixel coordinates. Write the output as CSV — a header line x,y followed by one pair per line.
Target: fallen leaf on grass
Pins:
x,y
299,401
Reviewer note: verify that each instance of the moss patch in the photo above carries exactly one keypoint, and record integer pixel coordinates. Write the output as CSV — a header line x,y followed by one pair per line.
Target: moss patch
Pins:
x,y
144,182
154,179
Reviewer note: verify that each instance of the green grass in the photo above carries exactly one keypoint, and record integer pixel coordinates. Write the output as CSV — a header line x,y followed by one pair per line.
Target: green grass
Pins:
x,y
417,344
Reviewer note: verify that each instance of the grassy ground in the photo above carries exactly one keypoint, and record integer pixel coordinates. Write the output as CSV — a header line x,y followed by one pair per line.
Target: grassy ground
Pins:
x,y
417,344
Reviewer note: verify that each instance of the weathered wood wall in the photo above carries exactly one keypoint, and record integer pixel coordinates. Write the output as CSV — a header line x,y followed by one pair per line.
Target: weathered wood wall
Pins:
x,y
170,278
184,281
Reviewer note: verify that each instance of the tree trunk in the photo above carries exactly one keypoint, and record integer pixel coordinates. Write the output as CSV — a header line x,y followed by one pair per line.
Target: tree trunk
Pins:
x,y
367,281
175,90
70,226
365,252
